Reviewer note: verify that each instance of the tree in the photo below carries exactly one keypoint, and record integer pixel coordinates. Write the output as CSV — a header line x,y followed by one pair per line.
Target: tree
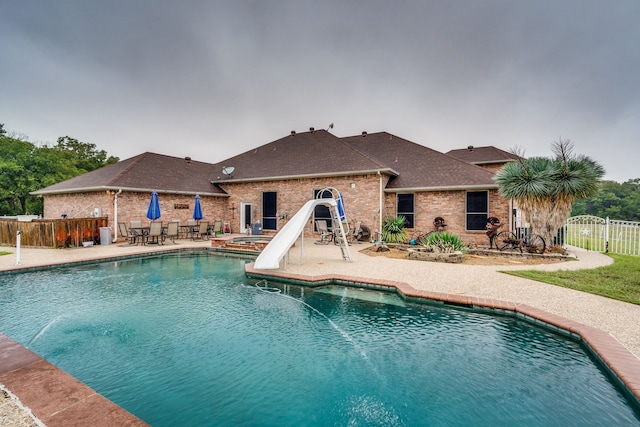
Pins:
x,y
87,157
14,179
613,200
545,188
25,167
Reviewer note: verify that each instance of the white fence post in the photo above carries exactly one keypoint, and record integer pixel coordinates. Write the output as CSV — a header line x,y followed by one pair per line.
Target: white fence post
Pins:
x,y
606,235
18,247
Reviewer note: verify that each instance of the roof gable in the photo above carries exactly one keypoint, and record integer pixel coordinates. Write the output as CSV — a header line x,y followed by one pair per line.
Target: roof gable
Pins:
x,y
419,167
483,155
314,153
145,172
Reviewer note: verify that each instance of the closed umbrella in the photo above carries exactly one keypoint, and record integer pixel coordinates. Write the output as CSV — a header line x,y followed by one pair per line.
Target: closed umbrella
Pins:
x,y
197,209
153,212
341,207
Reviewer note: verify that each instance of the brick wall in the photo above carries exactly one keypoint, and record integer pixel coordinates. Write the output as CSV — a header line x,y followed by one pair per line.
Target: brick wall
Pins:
x,y
132,206
360,192
493,167
450,205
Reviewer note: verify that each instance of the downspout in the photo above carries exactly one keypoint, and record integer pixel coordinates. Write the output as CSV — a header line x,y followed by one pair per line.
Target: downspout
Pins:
x,y
380,193
115,216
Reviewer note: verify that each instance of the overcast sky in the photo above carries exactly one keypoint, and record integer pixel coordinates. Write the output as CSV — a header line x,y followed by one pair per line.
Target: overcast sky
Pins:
x,y
212,79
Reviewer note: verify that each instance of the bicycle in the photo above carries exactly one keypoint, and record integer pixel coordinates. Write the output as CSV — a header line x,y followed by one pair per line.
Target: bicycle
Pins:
x,y
419,237
531,243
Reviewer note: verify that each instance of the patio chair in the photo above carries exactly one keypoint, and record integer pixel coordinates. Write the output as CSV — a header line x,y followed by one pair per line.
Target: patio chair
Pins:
x,y
155,233
202,231
172,231
127,234
325,235
217,227
136,223
356,233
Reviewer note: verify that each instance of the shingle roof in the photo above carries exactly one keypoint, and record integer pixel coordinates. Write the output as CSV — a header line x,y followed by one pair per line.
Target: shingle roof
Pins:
x,y
482,155
304,154
145,172
420,167
320,153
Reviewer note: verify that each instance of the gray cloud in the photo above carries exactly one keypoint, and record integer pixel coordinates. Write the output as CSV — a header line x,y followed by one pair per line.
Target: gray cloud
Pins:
x,y
213,79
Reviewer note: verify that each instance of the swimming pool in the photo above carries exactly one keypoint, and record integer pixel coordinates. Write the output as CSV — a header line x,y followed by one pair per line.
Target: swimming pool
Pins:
x,y
187,339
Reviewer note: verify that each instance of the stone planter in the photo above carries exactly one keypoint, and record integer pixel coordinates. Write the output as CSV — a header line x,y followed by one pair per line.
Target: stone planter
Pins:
x,y
451,257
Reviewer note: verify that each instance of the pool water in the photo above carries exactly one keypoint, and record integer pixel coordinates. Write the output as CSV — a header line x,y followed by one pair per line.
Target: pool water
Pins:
x,y
188,340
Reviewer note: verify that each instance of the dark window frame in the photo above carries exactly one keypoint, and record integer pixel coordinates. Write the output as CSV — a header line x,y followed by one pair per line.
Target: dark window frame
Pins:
x,y
476,210
321,212
269,210
410,213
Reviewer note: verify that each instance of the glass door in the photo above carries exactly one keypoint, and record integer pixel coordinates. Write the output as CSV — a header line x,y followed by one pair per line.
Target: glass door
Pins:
x,y
246,216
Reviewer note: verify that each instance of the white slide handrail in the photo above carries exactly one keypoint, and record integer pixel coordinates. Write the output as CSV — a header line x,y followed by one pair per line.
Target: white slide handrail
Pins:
x,y
278,247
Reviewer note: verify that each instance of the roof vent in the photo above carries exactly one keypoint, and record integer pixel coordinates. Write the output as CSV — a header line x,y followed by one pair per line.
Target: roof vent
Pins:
x,y
187,160
311,130
364,133
470,148
293,133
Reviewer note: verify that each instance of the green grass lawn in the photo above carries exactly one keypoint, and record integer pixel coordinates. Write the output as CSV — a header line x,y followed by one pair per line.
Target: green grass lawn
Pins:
x,y
620,280
5,253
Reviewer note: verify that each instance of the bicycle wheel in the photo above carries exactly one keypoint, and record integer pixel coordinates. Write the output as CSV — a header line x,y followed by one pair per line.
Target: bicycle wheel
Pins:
x,y
505,239
534,244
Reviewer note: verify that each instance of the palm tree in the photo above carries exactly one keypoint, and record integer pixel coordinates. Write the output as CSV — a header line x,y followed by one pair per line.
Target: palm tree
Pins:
x,y
545,189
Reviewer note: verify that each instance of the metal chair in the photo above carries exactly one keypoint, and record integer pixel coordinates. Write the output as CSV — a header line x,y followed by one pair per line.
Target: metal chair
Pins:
x,y
172,231
325,235
217,227
127,234
202,231
155,233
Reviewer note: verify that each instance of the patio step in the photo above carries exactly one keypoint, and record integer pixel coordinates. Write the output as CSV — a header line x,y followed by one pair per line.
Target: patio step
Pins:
x,y
242,246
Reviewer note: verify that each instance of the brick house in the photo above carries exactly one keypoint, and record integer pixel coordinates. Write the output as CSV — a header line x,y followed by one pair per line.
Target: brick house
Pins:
x,y
379,175
493,159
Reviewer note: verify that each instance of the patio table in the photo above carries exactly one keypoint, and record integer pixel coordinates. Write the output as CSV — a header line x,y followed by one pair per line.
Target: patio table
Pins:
x,y
140,232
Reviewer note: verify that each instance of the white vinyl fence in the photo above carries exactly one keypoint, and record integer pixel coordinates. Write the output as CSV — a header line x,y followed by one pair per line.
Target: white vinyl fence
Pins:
x,y
601,234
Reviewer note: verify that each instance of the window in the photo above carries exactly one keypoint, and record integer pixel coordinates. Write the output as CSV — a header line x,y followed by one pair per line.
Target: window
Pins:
x,y
269,210
405,208
477,210
322,212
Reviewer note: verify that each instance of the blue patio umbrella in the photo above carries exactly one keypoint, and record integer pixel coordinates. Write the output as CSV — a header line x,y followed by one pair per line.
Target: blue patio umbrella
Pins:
x,y
341,207
153,212
197,209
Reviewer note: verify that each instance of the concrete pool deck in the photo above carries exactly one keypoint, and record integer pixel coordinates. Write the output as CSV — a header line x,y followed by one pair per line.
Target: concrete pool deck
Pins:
x,y
607,325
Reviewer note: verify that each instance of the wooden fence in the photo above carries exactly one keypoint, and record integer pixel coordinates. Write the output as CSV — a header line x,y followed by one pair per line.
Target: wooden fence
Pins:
x,y
52,233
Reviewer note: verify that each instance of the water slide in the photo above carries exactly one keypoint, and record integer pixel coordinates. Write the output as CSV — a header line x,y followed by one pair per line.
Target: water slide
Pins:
x,y
277,248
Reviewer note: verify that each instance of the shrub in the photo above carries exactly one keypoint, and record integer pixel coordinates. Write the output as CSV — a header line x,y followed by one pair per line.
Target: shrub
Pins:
x,y
393,230
442,241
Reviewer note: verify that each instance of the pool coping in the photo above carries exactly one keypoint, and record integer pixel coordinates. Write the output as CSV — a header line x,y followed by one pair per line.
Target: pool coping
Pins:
x,y
51,395
58,399
622,365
